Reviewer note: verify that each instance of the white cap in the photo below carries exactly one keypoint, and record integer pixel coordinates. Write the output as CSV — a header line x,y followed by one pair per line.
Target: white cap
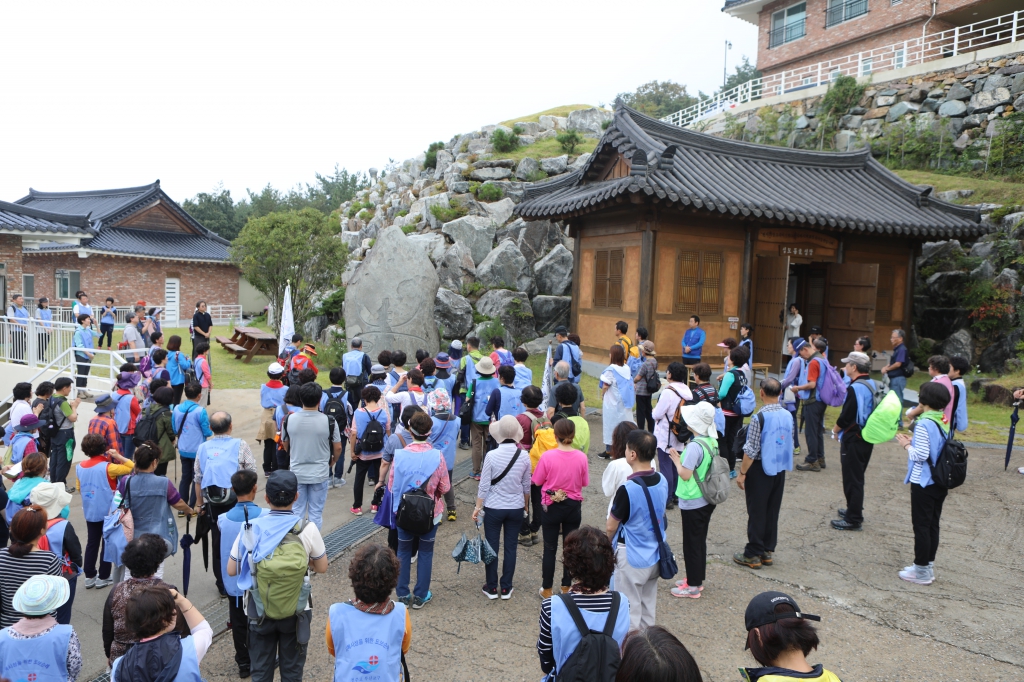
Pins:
x,y
275,368
700,418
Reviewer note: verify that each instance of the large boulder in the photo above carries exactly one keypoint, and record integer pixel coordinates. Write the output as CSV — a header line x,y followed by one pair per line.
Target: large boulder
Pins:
x,y
432,243
513,310
959,343
485,174
526,168
952,107
475,232
505,266
938,252
958,92
536,238
456,268
453,314
431,201
499,211
555,165
589,120
550,312
389,300
946,288
444,159
553,272
987,100
993,358
900,110
1007,279
553,122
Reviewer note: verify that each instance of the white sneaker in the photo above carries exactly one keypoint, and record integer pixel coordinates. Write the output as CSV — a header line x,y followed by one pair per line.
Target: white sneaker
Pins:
x,y
90,583
100,583
339,482
920,575
931,565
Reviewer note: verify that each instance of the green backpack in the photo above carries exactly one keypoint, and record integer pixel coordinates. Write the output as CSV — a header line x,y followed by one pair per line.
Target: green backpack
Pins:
x,y
282,583
884,421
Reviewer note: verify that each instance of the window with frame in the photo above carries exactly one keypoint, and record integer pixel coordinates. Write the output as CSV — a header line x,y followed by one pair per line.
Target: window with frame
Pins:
x,y
844,10
865,66
788,25
608,278
66,283
28,286
699,282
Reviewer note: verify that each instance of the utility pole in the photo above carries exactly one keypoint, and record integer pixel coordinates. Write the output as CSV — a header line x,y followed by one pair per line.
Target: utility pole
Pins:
x,y
725,64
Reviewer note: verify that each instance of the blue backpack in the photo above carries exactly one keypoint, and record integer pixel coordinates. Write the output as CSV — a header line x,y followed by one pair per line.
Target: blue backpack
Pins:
x,y
746,402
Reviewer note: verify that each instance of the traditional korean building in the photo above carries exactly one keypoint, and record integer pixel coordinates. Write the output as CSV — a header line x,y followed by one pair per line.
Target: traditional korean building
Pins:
x,y
669,222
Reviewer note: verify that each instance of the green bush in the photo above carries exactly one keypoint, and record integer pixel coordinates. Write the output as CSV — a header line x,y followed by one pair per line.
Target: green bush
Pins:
x,y
489,192
408,229
569,140
492,329
1000,213
518,130
359,206
332,305
366,215
472,289
401,214
537,176
504,142
453,211
431,161
605,124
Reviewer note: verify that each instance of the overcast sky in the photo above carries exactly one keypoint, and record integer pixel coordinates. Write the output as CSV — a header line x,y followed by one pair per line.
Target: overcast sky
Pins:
x,y
100,95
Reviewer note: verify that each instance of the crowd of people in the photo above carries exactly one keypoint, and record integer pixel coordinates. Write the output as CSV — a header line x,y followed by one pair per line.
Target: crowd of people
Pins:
x,y
677,443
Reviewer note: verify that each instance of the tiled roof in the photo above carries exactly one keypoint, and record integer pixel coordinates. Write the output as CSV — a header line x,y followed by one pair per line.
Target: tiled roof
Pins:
x,y
150,243
674,166
14,217
100,204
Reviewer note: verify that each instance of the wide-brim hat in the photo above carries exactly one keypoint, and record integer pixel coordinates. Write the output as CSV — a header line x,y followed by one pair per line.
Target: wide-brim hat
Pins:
x,y
700,418
648,347
105,403
857,358
51,497
438,401
485,365
41,594
508,427
442,361
29,423
309,348
128,380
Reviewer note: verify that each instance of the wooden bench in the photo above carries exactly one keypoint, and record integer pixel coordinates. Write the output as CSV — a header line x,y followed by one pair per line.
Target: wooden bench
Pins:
x,y
239,351
223,340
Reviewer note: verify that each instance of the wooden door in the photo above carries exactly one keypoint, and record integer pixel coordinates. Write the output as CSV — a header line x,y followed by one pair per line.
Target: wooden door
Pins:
x,y
770,289
850,300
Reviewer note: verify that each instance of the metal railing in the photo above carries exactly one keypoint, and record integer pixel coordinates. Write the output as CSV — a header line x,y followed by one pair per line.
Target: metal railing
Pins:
x,y
844,10
784,34
223,314
999,30
33,342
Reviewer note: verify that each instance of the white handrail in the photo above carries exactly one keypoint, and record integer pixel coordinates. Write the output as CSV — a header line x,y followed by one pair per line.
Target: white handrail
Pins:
x,y
999,30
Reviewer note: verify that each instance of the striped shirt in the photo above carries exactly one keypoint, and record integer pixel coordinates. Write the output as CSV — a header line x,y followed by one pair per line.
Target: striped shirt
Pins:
x,y
919,453
598,603
14,572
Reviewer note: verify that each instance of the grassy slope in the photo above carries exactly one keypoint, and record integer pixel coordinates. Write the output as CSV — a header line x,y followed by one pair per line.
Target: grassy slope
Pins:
x,y
985,191
543,149
557,111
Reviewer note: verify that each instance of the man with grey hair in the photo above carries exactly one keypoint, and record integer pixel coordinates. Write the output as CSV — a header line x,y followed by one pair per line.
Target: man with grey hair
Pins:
x,y
216,462
896,370
357,366
562,373
854,451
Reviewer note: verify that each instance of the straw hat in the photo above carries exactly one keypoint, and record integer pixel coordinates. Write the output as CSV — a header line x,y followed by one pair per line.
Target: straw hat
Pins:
x,y
41,594
508,427
485,365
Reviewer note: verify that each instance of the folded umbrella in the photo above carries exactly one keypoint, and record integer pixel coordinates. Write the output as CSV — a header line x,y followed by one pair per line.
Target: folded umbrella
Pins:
x,y
204,525
1013,430
186,558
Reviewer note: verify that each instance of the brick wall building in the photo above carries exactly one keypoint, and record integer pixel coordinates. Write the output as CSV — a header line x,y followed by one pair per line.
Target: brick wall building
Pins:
x,y
794,34
133,244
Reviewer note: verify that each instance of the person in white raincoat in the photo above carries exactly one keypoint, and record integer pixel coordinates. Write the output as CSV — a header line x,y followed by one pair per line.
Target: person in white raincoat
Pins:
x,y
618,394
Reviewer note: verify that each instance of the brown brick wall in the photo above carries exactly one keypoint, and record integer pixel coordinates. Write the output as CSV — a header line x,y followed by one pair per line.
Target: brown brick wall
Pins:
x,y
10,255
882,25
131,279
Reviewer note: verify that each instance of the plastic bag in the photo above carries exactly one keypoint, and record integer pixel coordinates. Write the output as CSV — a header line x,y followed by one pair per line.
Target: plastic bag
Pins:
x,y
883,423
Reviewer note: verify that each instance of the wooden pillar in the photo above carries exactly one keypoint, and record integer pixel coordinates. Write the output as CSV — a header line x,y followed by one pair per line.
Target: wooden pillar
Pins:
x,y
908,296
577,255
840,252
748,256
645,313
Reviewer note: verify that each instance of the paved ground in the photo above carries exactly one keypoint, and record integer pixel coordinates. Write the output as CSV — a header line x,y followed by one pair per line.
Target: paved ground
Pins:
x,y
967,625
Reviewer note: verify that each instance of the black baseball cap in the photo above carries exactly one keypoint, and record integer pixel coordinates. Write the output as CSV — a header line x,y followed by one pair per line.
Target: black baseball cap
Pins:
x,y
815,330
282,484
562,330
761,610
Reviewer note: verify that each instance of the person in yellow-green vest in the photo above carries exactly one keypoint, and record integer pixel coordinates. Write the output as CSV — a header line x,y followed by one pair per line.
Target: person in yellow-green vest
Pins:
x,y
780,637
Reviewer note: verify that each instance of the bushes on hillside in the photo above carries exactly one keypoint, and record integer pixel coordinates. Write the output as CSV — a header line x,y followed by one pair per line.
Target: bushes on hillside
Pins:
x,y
569,140
432,150
504,142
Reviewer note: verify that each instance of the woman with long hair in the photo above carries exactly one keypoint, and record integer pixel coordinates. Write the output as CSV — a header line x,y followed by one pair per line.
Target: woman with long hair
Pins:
x,y
617,393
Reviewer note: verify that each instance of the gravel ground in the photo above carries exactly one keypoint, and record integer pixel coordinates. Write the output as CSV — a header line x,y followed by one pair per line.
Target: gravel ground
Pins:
x,y
966,626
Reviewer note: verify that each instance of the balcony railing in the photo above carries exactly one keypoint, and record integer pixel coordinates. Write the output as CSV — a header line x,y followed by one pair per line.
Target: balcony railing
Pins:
x,y
1000,30
787,33
844,11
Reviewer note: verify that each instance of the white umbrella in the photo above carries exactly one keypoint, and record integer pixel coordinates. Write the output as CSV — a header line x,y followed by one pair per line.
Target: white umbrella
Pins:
x,y
546,389
287,328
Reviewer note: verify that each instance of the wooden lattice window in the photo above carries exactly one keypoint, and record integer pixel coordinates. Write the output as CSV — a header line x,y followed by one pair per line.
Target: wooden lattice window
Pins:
x,y
883,303
699,282
608,279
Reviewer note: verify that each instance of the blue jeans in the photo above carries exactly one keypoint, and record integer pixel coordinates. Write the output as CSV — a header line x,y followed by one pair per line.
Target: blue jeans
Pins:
x,y
128,443
494,520
424,564
312,498
339,466
898,384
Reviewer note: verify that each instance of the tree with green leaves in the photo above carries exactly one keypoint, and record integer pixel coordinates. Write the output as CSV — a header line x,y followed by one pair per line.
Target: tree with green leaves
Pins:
x,y
745,71
658,98
295,246
218,212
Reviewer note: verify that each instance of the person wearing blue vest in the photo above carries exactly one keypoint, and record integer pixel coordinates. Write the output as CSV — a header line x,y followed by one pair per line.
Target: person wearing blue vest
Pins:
x,y
216,462
128,409
926,498
83,339
370,633
443,367
271,398
813,407
37,647
192,426
151,498
854,451
357,366
747,340
445,436
18,316
524,375
958,368
61,538
45,317
569,352
505,400
789,399
693,341
97,479
767,456
631,526
107,321
229,525
161,652
464,379
81,305
590,561
479,391
178,364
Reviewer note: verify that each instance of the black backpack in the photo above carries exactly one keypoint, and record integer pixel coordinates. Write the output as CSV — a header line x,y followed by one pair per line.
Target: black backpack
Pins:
x,y
908,367
49,418
372,439
335,407
145,428
416,510
950,469
653,382
596,658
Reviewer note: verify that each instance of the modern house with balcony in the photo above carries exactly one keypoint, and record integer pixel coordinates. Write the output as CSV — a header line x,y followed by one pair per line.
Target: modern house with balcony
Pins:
x,y
793,34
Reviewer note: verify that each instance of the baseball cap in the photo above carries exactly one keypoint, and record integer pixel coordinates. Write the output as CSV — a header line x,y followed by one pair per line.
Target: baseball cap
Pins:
x,y
562,330
282,485
815,330
857,358
798,344
275,368
761,610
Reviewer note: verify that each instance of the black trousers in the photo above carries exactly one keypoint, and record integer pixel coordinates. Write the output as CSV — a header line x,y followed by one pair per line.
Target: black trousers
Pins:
x,y
732,426
814,425
925,512
239,630
695,543
179,389
532,524
93,545
644,413
854,453
269,459
185,487
764,501
363,467
60,465
84,367
560,518
215,511
276,639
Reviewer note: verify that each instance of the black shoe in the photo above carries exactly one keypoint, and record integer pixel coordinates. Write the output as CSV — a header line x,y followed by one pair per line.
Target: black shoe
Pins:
x,y
605,455
821,462
244,671
841,513
843,524
671,504
223,592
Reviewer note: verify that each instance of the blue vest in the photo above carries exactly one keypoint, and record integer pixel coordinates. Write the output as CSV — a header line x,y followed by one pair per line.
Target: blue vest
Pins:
x,y
412,470
82,338
362,419
865,394
471,372
107,317
482,391
511,403
272,397
83,309
192,435
114,541
367,646
188,671
95,491
638,531
796,366
352,363
230,525
444,437
21,313
18,444
960,409
574,353
46,315
42,659
218,460
803,395
936,439
151,513
776,441
524,377
565,636
123,412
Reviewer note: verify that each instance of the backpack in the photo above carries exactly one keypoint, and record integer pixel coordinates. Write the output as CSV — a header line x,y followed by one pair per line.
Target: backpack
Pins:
x,y
335,407
653,382
416,511
48,417
597,657
746,403
574,364
715,486
677,427
831,388
372,439
145,428
950,469
282,583
538,423
908,367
